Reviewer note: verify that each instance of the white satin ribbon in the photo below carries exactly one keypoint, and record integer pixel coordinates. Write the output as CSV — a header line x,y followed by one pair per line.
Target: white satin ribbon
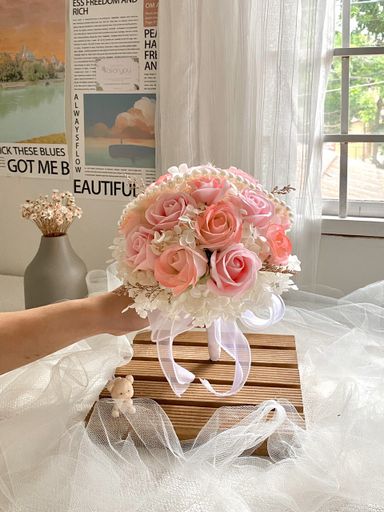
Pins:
x,y
226,335
163,332
275,313
222,335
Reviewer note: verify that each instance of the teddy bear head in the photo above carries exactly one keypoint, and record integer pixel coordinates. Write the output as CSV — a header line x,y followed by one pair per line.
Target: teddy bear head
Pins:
x,y
121,387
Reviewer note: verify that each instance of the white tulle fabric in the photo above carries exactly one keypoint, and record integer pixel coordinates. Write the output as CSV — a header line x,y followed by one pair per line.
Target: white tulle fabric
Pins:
x,y
50,461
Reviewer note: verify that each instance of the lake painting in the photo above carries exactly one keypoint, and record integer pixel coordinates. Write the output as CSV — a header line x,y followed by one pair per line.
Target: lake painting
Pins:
x,y
32,111
32,69
119,130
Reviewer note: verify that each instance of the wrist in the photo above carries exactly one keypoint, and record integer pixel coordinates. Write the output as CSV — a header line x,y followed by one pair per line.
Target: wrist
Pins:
x,y
94,312
107,310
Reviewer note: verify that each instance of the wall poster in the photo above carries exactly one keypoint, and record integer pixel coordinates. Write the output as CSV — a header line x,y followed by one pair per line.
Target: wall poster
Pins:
x,y
32,98
113,101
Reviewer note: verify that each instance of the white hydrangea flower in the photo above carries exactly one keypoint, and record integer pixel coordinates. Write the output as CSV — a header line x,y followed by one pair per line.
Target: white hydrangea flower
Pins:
x,y
294,263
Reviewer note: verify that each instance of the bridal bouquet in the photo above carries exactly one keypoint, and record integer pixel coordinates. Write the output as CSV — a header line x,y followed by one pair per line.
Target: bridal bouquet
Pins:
x,y
206,247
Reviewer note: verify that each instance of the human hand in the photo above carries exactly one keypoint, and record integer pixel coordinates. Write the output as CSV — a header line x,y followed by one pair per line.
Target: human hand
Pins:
x,y
109,309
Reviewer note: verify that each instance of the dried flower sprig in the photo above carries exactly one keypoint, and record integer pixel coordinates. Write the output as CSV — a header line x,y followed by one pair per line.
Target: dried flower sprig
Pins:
x,y
52,215
282,191
276,269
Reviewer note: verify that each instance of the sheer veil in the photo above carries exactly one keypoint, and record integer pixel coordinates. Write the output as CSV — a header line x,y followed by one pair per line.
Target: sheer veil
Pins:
x,y
49,459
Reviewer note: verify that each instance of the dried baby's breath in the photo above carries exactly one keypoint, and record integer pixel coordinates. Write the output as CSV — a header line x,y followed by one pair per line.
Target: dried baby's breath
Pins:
x,y
52,215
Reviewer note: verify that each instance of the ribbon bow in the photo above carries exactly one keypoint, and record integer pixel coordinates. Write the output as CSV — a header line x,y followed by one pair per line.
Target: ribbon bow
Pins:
x,y
222,335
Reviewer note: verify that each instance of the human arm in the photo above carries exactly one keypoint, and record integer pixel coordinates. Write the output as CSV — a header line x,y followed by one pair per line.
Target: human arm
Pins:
x,y
26,336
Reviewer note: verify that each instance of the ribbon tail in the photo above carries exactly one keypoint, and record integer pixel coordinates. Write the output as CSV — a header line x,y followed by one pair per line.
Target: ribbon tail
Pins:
x,y
163,334
229,337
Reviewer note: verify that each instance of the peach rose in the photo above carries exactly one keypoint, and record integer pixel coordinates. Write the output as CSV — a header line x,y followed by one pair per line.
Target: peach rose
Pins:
x,y
219,226
209,190
259,209
280,245
179,267
233,271
139,255
165,212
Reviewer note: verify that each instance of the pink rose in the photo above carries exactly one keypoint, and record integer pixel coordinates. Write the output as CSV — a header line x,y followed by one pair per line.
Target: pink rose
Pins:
x,y
133,219
280,245
138,251
179,267
165,212
162,178
259,209
219,226
244,174
209,190
281,217
233,271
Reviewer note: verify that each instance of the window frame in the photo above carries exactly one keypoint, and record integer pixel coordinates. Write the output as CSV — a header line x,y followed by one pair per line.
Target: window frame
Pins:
x,y
343,208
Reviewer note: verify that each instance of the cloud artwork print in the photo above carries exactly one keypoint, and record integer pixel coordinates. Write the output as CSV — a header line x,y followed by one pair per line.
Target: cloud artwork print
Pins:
x,y
206,247
120,130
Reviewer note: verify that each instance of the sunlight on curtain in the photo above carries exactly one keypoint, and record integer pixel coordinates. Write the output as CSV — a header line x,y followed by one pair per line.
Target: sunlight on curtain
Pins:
x,y
242,82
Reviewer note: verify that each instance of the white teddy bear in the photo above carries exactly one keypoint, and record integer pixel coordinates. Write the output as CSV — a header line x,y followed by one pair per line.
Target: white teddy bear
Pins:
x,y
121,389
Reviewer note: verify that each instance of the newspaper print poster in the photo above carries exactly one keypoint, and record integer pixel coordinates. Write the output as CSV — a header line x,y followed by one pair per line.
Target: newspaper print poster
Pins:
x,y
113,91
32,68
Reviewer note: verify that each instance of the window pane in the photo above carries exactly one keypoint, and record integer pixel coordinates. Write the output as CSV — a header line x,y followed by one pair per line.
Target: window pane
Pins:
x,y
333,99
330,172
366,171
366,94
367,23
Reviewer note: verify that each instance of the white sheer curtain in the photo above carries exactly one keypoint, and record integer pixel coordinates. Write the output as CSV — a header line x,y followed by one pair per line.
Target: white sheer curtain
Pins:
x,y
241,82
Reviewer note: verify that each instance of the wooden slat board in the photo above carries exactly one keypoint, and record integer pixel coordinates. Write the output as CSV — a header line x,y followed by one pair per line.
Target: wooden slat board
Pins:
x,y
260,356
256,340
274,374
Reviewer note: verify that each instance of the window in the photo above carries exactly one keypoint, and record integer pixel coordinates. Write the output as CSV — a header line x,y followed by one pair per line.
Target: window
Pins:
x,y
353,152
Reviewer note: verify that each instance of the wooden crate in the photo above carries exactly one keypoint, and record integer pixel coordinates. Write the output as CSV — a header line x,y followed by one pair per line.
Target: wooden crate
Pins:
x,y
274,374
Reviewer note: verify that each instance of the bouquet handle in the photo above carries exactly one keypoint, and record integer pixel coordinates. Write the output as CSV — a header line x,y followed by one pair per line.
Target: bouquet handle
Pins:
x,y
214,348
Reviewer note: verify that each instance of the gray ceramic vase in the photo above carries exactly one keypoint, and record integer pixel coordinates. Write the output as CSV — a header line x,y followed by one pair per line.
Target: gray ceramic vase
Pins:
x,y
56,273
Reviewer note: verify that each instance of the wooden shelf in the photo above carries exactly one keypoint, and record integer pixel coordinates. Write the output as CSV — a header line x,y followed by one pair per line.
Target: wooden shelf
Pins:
x,y
274,375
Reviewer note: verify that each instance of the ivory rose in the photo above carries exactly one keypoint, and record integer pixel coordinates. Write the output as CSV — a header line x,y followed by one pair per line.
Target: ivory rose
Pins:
x,y
233,271
279,244
179,267
139,255
209,190
219,226
259,209
165,212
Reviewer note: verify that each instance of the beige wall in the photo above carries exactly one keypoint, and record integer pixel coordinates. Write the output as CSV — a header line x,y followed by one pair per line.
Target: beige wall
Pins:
x,y
348,263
